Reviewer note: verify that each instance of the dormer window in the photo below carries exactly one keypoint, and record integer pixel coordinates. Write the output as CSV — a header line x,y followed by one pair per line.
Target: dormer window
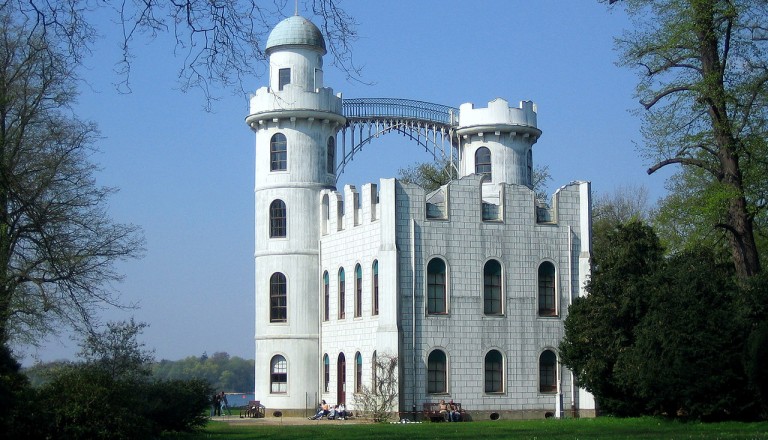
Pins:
x,y
284,77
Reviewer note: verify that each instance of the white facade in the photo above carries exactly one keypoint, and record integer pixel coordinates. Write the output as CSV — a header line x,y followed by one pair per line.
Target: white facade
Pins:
x,y
468,285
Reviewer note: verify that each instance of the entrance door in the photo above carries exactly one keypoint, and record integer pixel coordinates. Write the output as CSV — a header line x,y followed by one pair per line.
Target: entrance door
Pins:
x,y
341,380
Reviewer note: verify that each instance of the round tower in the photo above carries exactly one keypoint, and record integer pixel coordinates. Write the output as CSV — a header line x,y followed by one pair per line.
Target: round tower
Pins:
x,y
497,141
296,121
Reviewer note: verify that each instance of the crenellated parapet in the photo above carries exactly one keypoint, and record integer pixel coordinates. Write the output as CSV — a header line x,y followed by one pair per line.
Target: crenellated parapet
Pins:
x,y
498,117
353,208
295,102
468,201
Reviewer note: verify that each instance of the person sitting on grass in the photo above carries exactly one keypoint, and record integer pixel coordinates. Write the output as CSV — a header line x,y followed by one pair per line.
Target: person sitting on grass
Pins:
x,y
322,412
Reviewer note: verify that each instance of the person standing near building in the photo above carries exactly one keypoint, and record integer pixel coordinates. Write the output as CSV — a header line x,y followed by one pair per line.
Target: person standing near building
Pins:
x,y
215,405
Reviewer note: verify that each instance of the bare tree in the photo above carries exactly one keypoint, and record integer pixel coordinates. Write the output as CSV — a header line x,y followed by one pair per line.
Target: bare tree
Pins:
x,y
380,400
220,42
57,243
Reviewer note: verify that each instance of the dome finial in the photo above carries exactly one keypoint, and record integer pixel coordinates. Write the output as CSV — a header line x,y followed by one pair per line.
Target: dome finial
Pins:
x,y
296,9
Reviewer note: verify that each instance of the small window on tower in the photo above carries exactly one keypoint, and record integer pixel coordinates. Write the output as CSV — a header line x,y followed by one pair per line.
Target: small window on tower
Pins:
x,y
284,77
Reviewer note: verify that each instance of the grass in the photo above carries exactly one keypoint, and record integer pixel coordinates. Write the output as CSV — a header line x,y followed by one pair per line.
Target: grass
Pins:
x,y
600,428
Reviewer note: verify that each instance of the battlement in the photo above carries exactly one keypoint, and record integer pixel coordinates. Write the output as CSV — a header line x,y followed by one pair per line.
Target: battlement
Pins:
x,y
266,102
499,113
344,212
501,203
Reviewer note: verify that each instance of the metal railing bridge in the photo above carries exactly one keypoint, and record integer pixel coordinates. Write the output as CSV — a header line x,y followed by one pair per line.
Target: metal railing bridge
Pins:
x,y
430,125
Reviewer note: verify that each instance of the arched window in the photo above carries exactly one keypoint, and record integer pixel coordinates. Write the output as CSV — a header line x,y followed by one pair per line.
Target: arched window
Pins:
x,y
326,373
342,294
278,378
483,162
437,381
548,372
375,287
326,297
277,219
278,298
278,153
358,373
436,287
547,303
358,291
492,288
494,372
331,155
530,168
374,373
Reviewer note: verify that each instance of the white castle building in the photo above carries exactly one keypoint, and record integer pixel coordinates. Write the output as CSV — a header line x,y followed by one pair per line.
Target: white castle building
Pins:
x,y
468,285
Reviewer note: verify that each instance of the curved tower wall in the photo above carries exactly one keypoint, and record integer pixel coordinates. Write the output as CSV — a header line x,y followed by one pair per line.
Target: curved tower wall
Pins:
x,y
508,132
307,116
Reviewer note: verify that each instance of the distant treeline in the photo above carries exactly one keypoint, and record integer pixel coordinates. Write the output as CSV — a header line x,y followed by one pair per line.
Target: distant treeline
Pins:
x,y
224,373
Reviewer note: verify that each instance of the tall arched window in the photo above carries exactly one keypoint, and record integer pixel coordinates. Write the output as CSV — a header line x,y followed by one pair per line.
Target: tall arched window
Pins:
x,y
437,380
331,155
375,270
278,153
494,372
342,294
326,297
278,298
492,288
436,287
374,373
530,168
358,291
548,372
358,373
277,219
483,162
278,378
547,299
326,373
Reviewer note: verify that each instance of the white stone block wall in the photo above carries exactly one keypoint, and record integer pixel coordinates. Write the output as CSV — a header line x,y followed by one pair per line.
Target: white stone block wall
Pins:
x,y
353,244
465,242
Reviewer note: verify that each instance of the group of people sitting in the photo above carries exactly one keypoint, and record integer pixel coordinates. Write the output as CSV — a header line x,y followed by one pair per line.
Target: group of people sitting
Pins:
x,y
450,411
336,412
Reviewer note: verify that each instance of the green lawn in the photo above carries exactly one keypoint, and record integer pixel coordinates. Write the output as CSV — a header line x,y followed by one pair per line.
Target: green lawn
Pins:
x,y
600,428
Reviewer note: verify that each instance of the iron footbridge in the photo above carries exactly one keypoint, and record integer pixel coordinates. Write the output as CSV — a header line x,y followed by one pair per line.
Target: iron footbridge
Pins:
x,y
430,125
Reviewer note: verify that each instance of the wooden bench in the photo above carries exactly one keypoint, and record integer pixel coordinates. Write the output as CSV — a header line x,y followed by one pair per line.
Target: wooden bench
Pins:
x,y
253,410
432,412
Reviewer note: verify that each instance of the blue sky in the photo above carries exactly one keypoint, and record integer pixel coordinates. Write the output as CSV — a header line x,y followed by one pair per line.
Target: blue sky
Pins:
x,y
186,175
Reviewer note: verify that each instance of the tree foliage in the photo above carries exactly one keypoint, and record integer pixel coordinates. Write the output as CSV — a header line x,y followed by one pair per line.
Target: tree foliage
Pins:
x,y
219,43
428,175
703,68
117,349
667,335
433,175
110,394
57,243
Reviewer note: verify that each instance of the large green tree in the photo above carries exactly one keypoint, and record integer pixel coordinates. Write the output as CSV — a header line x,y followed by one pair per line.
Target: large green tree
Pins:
x,y
58,246
672,335
600,327
703,68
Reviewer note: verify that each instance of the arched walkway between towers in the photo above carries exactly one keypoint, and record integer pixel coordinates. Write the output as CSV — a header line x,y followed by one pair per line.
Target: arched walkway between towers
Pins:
x,y
433,126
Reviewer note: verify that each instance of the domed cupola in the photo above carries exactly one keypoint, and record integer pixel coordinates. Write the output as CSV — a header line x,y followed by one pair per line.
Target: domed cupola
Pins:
x,y
295,48
295,31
